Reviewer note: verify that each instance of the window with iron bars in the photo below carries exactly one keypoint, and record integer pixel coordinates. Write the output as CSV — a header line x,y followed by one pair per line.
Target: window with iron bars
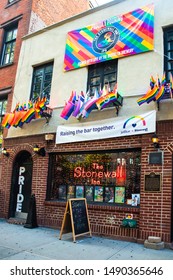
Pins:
x,y
101,74
168,58
41,83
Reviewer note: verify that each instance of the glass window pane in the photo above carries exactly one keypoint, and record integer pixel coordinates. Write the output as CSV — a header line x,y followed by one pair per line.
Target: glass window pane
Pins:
x,y
4,107
170,36
61,193
95,81
70,192
13,46
109,194
1,106
37,88
48,76
109,78
48,69
93,89
105,177
79,191
9,46
98,194
11,58
9,36
95,70
42,77
170,45
170,65
101,74
170,54
6,59
89,191
14,34
109,68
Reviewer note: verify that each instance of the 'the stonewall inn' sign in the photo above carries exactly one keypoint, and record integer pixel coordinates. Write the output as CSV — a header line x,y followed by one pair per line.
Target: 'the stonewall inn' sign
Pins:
x,y
116,37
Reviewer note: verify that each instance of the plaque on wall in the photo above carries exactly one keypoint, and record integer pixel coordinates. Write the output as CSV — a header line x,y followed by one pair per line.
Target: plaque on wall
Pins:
x,y
155,157
152,182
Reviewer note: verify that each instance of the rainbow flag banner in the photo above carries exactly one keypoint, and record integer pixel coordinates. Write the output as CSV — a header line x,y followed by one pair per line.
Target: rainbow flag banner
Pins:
x,y
152,94
160,93
156,91
7,120
82,105
78,104
89,105
24,114
123,35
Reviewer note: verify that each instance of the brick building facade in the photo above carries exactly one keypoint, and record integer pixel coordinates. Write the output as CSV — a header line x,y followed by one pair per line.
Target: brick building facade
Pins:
x,y
29,16
25,17
154,213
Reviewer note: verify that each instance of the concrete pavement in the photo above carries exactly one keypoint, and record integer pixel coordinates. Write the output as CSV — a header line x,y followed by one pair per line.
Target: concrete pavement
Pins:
x,y
19,243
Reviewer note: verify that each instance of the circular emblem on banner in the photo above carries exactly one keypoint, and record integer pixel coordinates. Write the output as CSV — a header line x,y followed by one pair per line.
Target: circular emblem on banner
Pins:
x,y
105,39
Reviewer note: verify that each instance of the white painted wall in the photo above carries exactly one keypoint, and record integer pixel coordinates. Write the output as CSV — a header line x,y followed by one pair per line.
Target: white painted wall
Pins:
x,y
133,72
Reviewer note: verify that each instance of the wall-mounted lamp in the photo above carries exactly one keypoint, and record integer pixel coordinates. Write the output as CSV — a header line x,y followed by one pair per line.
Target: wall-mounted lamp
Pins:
x,y
49,137
5,153
39,151
155,141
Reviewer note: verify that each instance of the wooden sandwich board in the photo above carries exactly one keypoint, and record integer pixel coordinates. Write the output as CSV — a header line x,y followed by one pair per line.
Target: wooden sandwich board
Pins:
x,y
76,218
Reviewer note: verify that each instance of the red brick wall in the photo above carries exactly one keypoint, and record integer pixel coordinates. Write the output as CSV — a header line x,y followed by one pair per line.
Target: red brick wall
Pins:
x,y
155,208
154,214
6,14
8,73
58,10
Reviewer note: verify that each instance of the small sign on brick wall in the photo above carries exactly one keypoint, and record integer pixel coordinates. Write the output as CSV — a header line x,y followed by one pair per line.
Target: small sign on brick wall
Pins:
x,y
152,182
155,157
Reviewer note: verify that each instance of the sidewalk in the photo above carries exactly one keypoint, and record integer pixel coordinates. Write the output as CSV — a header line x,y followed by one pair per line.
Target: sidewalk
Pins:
x,y
19,243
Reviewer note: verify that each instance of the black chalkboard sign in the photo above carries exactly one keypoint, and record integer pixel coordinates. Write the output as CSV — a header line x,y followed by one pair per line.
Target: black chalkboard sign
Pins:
x,y
76,218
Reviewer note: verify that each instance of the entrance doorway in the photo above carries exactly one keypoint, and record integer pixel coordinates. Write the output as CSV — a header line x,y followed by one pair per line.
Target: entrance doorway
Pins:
x,y
21,185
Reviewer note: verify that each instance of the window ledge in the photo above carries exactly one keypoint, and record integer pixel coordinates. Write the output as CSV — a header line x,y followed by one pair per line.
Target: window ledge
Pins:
x,y
6,65
114,207
12,3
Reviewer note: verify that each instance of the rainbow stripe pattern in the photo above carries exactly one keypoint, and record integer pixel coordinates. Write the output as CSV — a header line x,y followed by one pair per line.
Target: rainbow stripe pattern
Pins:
x,y
82,105
24,113
155,92
137,118
134,34
105,100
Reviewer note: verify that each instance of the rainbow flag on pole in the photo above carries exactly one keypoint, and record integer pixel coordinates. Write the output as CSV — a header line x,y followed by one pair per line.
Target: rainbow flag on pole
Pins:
x,y
156,91
105,100
152,94
148,97
7,120
160,93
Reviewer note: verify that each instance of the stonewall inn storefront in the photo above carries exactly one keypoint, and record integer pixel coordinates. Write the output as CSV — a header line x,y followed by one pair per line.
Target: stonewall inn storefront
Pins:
x,y
120,177
101,112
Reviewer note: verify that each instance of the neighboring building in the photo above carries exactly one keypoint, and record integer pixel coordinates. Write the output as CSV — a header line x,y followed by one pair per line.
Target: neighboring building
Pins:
x,y
18,18
105,155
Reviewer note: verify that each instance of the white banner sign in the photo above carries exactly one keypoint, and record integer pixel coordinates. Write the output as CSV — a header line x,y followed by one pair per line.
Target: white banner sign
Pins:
x,y
116,127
